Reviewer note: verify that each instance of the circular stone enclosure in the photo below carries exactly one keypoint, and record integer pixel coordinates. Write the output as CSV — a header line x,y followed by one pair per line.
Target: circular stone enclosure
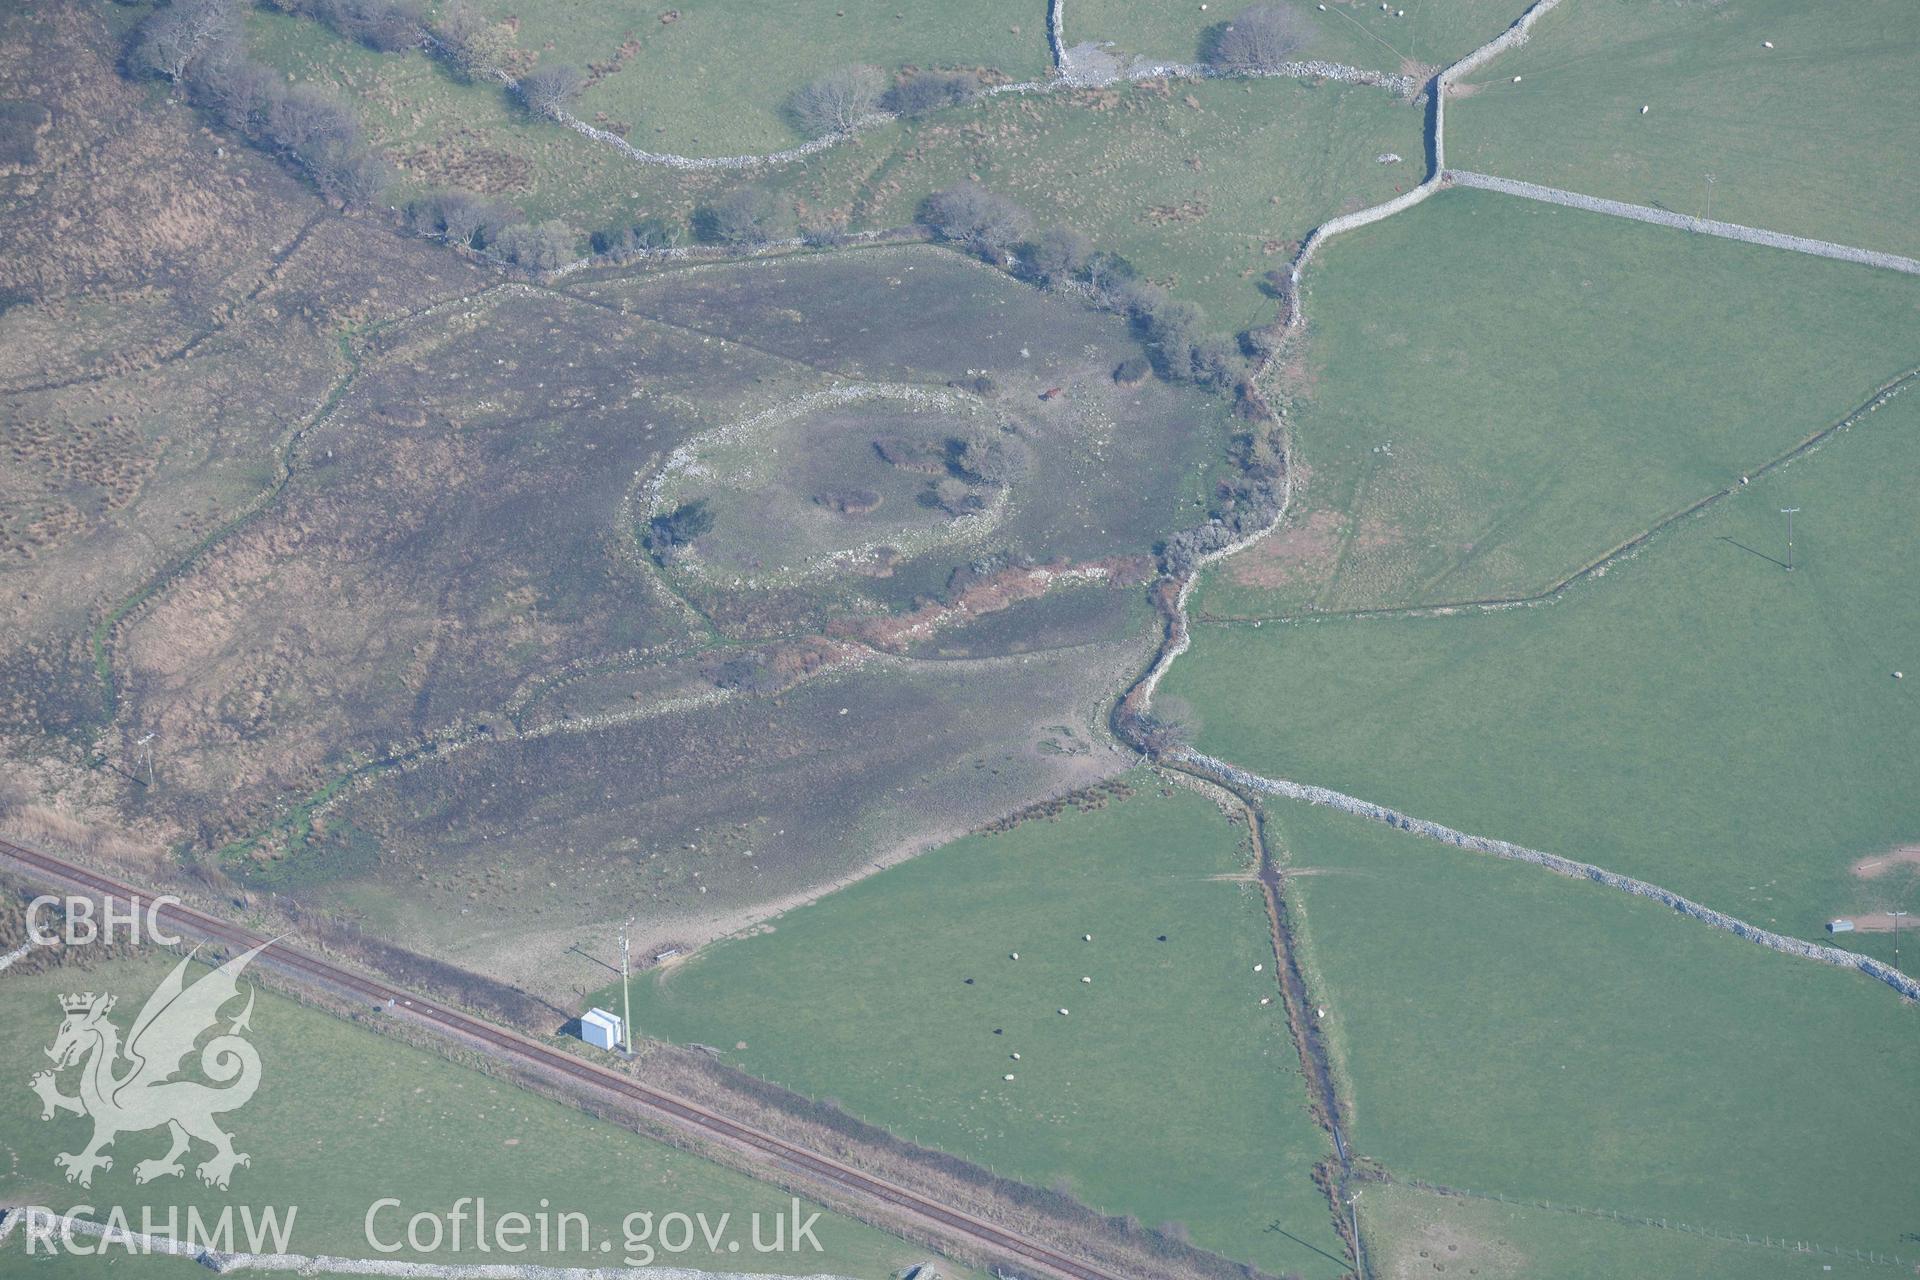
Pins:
x,y
848,480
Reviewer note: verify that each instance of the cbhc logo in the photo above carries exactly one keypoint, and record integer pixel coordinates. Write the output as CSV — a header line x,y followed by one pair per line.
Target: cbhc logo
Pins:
x,y
87,921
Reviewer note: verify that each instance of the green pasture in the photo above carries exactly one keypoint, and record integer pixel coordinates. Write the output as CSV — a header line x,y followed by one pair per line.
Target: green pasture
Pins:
x,y
1504,1030
1167,1090
1203,185
716,79
1497,392
1814,136
1419,33
439,131
1698,717
345,1117
1408,1231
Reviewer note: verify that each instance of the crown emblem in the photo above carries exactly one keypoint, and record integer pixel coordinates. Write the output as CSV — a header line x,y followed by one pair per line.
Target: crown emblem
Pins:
x,y
85,1003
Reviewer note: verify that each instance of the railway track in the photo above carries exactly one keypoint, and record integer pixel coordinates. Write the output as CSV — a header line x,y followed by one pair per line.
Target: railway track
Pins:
x,y
511,1046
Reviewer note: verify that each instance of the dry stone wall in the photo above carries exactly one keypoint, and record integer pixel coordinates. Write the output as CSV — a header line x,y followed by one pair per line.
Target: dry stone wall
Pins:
x,y
1237,776
1683,222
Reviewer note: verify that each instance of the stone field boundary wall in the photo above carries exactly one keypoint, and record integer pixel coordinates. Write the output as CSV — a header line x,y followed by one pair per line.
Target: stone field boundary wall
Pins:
x,y
1886,973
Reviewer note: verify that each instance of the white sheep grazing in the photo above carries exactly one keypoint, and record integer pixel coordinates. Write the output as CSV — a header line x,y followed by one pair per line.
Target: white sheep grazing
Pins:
x,y
1644,110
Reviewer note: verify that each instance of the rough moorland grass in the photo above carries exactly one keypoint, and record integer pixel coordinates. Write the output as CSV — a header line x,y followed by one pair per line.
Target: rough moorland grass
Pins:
x,y
1099,470
1433,32
345,1117
1497,392
715,80
1503,1029
1408,1231
1699,718
1168,1091
1814,136
1203,185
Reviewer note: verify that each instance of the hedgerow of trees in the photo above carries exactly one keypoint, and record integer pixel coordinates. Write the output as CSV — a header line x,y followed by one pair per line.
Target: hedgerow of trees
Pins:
x,y
981,220
385,26
196,44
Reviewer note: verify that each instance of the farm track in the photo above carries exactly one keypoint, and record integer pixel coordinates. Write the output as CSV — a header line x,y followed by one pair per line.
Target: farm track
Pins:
x,y
776,1153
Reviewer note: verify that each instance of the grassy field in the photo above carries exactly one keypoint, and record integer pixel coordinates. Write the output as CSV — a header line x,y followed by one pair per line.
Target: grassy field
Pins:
x,y
1412,1235
1203,185
504,855
715,80
1809,137
1431,33
1504,1030
1496,392
441,132
1168,1091
345,1117
1699,717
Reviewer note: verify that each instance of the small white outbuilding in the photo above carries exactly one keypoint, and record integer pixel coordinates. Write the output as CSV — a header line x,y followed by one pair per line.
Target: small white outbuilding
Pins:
x,y
601,1029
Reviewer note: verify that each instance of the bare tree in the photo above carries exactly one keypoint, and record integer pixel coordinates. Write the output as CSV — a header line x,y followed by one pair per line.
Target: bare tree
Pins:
x,y
240,93
464,219
838,100
746,216
354,176
475,47
982,220
305,122
383,25
460,217
172,38
1058,255
537,248
550,90
1261,38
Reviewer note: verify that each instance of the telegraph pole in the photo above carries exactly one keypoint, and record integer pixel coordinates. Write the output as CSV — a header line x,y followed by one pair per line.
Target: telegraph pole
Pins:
x,y
1788,513
626,995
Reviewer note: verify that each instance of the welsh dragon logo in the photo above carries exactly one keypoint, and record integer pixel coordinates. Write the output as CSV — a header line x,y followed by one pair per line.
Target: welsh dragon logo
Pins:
x,y
132,1088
